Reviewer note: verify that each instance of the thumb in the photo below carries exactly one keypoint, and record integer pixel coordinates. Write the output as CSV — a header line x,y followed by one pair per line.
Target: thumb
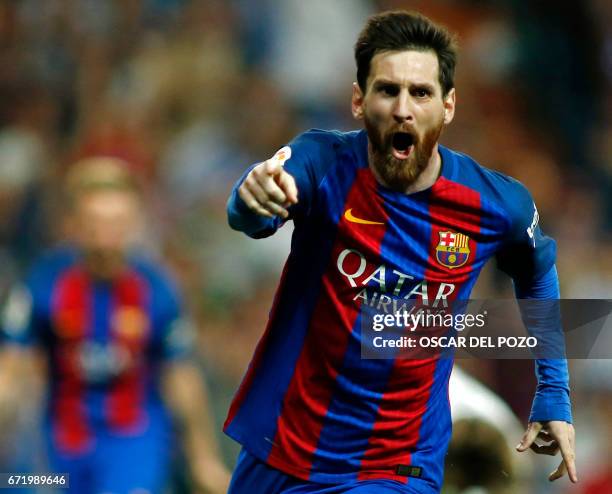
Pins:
x,y
533,429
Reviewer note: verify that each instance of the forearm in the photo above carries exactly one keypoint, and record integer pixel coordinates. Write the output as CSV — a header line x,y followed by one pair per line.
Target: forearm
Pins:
x,y
552,400
185,391
19,370
186,395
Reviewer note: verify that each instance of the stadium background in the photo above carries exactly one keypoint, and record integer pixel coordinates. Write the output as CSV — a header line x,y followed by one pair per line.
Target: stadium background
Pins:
x,y
191,92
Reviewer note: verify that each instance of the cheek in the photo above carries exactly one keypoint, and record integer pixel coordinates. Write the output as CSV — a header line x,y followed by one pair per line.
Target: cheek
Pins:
x,y
119,229
83,227
377,110
434,114
106,232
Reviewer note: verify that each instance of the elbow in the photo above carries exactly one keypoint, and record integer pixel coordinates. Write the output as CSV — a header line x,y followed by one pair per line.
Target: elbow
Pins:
x,y
247,222
238,223
233,215
233,221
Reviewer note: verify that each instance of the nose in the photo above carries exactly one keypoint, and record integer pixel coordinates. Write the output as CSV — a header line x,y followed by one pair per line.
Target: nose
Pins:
x,y
403,109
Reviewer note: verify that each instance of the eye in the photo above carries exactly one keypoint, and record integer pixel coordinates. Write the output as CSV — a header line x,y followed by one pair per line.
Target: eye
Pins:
x,y
388,90
421,92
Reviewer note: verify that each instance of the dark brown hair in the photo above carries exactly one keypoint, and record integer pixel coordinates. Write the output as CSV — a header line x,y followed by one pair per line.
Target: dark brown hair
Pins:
x,y
401,30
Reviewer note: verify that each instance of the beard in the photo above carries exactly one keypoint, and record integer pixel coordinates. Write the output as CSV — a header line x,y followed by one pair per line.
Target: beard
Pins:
x,y
104,264
399,174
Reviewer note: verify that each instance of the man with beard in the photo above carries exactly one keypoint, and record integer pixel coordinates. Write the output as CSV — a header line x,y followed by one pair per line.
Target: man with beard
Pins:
x,y
381,215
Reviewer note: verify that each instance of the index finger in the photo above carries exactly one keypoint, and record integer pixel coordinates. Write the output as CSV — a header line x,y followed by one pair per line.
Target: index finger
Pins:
x,y
529,437
287,183
569,456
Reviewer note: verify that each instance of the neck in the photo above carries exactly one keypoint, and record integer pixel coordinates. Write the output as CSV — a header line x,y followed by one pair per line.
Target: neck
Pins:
x,y
429,176
104,268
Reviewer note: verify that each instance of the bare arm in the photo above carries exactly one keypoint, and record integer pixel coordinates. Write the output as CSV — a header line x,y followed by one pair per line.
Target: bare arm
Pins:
x,y
185,392
20,369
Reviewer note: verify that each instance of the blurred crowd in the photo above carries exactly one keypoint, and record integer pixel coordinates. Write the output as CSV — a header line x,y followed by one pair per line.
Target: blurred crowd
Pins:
x,y
190,92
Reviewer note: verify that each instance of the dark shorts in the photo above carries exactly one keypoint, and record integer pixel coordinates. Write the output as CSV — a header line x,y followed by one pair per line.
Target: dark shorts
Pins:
x,y
252,476
118,464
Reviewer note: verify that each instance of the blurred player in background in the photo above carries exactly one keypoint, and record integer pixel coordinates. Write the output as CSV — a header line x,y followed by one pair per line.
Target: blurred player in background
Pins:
x,y
380,212
479,458
118,346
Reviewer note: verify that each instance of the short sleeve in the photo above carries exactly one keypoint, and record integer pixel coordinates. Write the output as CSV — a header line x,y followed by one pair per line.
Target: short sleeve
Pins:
x,y
527,252
25,314
175,330
178,339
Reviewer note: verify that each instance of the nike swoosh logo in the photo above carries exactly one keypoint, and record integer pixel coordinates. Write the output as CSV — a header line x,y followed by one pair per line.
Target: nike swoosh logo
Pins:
x,y
348,214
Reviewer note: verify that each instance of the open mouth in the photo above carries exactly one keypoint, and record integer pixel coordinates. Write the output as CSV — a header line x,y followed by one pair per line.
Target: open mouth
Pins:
x,y
402,143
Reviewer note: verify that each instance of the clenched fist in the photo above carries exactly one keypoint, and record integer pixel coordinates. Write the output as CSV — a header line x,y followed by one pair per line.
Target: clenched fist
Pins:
x,y
268,189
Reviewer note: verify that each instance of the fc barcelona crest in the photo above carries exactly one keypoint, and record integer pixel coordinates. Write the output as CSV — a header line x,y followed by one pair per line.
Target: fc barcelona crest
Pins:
x,y
130,322
453,249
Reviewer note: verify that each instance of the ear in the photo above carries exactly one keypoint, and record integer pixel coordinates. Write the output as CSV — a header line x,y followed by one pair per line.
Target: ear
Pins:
x,y
449,106
357,102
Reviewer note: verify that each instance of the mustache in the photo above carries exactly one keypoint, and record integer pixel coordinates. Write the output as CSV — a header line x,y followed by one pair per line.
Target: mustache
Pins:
x,y
400,139
402,129
407,129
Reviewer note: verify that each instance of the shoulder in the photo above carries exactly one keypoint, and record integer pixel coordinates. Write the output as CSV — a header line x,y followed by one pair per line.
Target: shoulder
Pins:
x,y
313,155
326,138
35,291
497,188
324,144
157,276
494,185
51,264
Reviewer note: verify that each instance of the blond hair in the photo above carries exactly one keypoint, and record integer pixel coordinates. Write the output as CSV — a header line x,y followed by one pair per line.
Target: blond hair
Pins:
x,y
98,173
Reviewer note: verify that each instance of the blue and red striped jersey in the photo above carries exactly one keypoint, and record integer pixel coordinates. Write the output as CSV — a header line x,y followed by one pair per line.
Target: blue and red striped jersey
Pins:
x,y
105,342
309,405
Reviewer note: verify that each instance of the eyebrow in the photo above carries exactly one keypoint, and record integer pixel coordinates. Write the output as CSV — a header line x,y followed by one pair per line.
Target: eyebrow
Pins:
x,y
377,83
